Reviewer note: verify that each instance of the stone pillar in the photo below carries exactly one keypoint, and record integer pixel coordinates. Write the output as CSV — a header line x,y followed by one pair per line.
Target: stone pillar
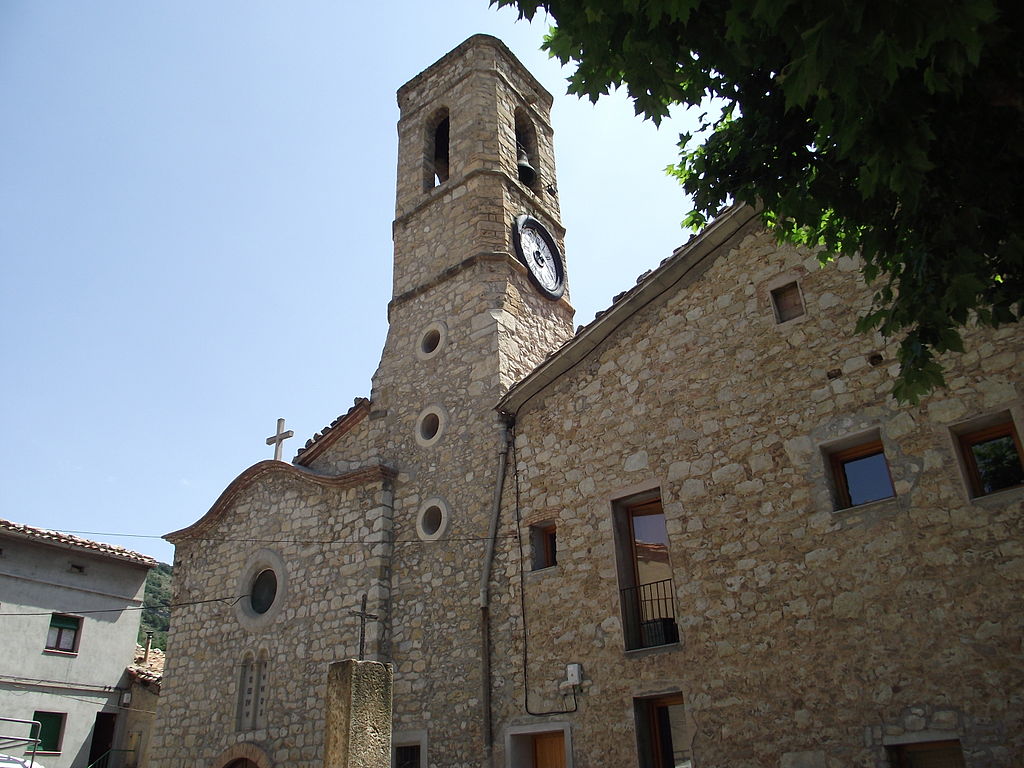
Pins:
x,y
358,723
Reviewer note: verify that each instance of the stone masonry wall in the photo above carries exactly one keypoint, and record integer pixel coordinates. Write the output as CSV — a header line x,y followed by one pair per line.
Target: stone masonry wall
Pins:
x,y
322,534
809,636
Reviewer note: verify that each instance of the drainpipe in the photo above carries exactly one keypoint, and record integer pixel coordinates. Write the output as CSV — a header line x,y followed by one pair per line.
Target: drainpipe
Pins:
x,y
149,646
485,598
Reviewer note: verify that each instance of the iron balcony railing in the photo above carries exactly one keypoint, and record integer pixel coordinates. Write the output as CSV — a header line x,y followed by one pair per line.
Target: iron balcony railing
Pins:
x,y
110,758
649,615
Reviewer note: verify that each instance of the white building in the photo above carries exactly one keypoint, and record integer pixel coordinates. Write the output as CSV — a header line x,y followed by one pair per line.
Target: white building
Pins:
x,y
66,640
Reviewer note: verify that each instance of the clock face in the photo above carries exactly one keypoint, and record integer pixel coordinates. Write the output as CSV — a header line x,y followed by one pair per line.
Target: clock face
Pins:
x,y
537,250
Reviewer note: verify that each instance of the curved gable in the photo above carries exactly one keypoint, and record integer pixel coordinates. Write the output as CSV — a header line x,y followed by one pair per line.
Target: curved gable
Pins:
x,y
258,472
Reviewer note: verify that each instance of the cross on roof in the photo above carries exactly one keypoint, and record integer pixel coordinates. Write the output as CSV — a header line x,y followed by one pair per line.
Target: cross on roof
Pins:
x,y
277,439
363,616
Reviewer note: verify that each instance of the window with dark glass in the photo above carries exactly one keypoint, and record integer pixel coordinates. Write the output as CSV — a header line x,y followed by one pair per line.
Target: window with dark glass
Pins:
x,y
49,731
861,474
927,754
787,302
646,591
992,458
663,734
264,591
407,756
64,633
542,539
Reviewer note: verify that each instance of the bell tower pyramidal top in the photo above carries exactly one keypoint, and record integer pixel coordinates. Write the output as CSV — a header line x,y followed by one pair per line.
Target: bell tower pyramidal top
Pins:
x,y
475,152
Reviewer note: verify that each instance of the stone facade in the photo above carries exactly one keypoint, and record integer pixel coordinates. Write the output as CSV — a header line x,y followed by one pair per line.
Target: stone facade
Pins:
x,y
802,628
808,634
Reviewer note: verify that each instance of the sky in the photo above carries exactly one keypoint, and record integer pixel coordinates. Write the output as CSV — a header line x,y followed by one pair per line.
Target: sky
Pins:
x,y
196,201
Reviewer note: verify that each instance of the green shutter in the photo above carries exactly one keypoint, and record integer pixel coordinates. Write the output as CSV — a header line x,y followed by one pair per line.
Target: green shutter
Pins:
x,y
65,622
51,724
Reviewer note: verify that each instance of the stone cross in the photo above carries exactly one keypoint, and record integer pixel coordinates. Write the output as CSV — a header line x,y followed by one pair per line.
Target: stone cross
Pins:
x,y
279,438
363,616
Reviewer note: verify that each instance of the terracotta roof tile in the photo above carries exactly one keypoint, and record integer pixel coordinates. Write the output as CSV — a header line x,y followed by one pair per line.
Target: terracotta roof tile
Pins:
x,y
148,669
59,539
341,424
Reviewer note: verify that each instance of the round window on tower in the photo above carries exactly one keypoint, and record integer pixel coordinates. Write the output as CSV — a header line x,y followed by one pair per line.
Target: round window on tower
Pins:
x,y
431,340
263,584
432,520
430,425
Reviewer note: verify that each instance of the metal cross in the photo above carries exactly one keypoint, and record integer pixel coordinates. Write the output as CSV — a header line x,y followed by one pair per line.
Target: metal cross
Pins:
x,y
363,616
280,437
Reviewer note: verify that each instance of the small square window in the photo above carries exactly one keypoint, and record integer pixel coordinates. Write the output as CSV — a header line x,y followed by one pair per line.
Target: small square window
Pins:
x,y
787,302
861,474
407,756
49,731
64,633
409,749
992,457
544,543
927,754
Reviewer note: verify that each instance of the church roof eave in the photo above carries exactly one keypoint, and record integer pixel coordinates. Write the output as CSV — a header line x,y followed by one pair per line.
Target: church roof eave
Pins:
x,y
324,439
687,261
369,474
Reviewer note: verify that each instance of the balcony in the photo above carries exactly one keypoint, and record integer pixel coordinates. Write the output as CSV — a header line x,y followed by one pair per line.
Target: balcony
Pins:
x,y
649,615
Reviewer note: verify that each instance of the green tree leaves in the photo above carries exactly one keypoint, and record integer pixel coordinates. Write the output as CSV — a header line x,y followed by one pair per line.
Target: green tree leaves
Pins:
x,y
895,130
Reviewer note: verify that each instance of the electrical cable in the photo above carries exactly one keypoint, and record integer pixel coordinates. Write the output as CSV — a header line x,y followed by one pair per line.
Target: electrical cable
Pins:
x,y
522,597
161,606
281,541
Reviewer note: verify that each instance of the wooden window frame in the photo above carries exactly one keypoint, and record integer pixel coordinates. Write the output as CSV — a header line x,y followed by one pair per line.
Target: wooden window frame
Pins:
x,y
838,461
543,537
967,440
639,634
776,293
649,736
61,628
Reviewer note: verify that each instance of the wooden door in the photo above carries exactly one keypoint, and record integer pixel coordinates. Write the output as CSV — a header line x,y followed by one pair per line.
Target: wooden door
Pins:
x,y
549,750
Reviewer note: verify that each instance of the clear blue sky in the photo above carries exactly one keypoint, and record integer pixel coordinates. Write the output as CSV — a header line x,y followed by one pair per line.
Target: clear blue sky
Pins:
x,y
195,232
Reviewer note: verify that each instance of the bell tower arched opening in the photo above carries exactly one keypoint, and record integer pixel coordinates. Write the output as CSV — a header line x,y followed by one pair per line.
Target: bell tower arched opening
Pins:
x,y
438,152
527,156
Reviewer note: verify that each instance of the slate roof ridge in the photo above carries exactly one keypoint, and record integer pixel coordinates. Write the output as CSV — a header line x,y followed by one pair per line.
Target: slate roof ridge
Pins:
x,y
69,541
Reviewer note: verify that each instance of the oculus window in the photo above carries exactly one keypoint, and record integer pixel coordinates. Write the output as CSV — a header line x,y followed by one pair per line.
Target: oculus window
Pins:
x,y
264,591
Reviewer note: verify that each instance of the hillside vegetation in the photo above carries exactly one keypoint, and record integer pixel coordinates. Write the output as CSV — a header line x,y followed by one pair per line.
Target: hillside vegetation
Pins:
x,y
158,596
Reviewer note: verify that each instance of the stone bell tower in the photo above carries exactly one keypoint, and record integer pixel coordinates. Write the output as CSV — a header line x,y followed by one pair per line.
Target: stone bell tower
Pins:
x,y
466,320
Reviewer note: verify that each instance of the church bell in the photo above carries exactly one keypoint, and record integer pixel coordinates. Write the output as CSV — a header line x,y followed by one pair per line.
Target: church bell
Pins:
x,y
527,174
